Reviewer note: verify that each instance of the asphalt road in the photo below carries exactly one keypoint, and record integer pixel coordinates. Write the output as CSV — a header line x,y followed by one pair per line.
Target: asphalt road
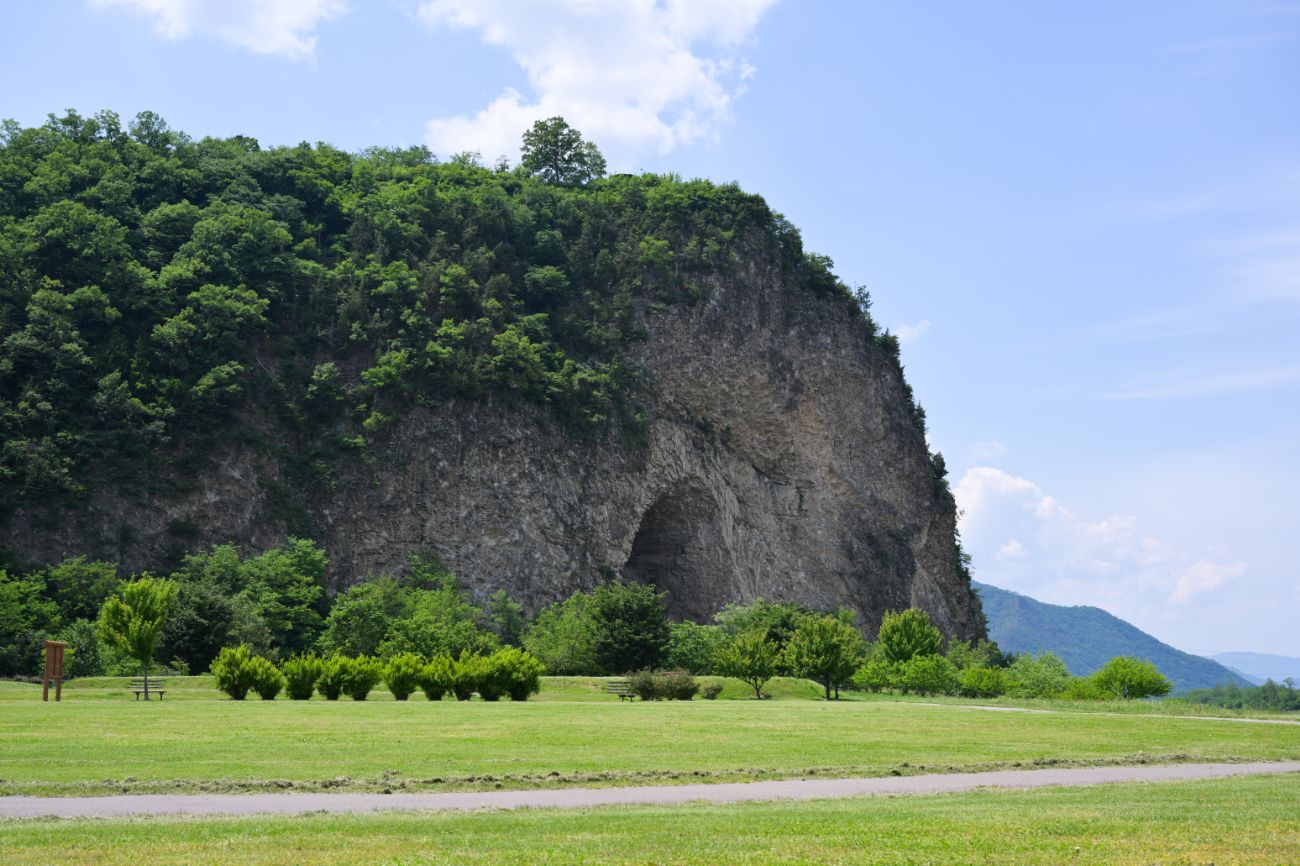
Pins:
x,y
581,798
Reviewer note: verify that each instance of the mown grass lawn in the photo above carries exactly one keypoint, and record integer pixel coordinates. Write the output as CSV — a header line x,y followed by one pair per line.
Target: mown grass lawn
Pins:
x,y
97,746
1228,821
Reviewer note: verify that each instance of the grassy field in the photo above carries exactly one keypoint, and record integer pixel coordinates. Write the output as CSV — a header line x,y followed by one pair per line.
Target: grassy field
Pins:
x,y
574,735
1172,824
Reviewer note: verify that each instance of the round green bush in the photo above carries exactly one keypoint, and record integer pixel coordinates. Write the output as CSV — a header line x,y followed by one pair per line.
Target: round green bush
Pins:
x,y
436,676
361,675
300,674
267,680
333,677
234,671
402,674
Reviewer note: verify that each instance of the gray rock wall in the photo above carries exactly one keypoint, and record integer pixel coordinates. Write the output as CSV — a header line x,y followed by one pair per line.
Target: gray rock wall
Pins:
x,y
779,460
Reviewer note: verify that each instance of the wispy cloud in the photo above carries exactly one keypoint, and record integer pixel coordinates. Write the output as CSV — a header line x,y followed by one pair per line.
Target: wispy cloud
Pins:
x,y
633,76
278,27
1212,384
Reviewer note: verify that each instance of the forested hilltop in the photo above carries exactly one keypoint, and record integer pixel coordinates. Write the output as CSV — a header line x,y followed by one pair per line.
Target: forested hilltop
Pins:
x,y
157,291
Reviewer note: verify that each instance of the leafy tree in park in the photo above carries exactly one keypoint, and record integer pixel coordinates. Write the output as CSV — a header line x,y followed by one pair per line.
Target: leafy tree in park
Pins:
x,y
825,649
631,626
506,617
1128,678
777,620
132,621
930,674
1041,676
361,616
555,152
563,636
200,624
79,586
749,657
26,616
692,647
908,634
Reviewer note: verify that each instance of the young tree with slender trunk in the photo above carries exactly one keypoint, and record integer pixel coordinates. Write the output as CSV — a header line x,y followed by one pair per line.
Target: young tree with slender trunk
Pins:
x,y
133,620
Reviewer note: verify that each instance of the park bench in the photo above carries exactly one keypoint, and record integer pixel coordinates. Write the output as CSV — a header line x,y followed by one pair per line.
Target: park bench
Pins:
x,y
155,687
622,688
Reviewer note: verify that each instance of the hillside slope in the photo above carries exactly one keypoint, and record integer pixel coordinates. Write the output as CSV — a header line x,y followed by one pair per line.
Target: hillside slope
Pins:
x,y
1087,637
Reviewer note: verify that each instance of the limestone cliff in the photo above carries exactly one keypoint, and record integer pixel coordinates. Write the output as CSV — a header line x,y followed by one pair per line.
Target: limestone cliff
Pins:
x,y
779,458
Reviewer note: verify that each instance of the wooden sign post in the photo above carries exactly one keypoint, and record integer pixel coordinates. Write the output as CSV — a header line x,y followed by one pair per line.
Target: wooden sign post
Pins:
x,y
53,669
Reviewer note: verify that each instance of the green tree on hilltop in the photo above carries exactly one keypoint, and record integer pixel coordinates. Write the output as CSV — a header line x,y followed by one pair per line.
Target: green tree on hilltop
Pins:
x,y
556,153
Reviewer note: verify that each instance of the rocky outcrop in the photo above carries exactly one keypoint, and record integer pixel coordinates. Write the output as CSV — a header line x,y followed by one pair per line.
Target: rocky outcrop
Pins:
x,y
778,459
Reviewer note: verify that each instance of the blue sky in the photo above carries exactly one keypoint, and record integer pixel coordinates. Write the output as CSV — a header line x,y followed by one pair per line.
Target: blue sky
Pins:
x,y
1083,219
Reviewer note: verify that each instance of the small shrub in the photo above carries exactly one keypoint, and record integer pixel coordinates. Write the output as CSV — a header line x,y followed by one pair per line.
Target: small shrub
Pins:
x,y
663,685
402,674
267,679
300,673
234,671
361,675
675,685
488,675
436,677
710,691
463,681
642,683
333,677
523,673
1127,678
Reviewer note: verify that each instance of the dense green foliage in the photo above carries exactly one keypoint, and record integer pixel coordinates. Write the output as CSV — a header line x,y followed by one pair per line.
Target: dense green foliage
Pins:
x,y
749,656
826,650
158,292
1088,637
906,634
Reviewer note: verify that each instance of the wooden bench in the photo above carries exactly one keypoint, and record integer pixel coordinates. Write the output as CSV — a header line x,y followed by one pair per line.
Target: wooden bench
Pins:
x,y
622,688
155,687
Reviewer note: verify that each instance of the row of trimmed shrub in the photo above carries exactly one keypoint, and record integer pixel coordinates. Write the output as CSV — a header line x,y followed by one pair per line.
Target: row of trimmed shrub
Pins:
x,y
507,672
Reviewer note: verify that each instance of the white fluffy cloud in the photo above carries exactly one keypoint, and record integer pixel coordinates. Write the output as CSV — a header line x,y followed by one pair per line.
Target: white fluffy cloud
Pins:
x,y
281,27
911,333
631,75
1028,541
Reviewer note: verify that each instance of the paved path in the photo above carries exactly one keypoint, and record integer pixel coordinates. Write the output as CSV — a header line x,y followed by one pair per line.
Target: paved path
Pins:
x,y
576,798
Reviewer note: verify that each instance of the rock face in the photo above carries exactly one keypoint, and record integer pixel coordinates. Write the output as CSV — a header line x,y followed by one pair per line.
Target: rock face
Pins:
x,y
779,460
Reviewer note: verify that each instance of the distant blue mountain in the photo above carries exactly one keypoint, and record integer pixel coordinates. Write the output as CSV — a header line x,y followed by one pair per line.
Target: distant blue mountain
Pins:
x,y
1087,637
1258,667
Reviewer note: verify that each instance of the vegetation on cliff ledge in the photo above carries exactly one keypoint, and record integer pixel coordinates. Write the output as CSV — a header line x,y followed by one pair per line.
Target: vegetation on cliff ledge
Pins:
x,y
157,291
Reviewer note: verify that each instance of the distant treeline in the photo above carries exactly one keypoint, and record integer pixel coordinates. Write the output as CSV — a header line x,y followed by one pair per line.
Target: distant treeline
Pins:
x,y
1281,697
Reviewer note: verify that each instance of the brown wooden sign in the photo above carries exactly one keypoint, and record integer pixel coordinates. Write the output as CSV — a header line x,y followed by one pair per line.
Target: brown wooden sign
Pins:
x,y
53,669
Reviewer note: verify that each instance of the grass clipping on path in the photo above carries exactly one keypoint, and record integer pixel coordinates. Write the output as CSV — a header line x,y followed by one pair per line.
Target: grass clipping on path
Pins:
x,y
109,747
1224,821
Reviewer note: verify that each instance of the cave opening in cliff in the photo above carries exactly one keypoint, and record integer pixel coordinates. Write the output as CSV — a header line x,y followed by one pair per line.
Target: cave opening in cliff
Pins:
x,y
678,549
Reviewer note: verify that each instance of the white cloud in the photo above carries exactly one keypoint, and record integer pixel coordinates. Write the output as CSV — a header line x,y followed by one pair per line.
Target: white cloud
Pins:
x,y
910,333
632,76
1030,542
280,27
1203,576
1013,549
